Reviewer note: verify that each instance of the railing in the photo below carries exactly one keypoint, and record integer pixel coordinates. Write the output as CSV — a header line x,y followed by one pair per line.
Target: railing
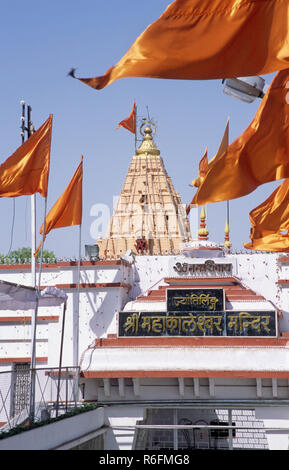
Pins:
x,y
56,392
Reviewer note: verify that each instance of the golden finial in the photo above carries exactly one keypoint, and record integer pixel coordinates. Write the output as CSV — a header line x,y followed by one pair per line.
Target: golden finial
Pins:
x,y
227,243
147,130
203,231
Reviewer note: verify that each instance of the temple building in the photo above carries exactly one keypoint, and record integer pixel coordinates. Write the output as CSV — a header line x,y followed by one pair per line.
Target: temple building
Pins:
x,y
182,342
149,217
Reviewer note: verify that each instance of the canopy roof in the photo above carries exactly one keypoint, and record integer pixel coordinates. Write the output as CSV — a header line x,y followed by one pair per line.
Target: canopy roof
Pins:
x,y
19,297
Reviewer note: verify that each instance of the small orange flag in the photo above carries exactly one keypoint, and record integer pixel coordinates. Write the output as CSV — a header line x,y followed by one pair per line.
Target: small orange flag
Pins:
x,y
259,155
270,222
204,165
203,170
222,147
130,122
26,171
67,210
207,39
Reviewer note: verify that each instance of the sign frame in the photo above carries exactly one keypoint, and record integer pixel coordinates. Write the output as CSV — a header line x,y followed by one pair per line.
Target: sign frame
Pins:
x,y
224,313
196,289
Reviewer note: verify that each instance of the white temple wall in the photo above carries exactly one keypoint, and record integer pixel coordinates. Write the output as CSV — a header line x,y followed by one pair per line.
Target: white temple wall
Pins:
x,y
275,418
97,318
260,273
97,311
121,439
68,274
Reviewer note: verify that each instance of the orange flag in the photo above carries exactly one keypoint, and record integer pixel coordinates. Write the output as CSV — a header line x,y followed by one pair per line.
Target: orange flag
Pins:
x,y
67,210
222,147
203,170
205,39
26,171
269,220
259,155
204,165
130,122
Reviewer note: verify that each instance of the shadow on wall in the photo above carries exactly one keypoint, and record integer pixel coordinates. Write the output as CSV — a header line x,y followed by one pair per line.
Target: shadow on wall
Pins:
x,y
100,305
197,438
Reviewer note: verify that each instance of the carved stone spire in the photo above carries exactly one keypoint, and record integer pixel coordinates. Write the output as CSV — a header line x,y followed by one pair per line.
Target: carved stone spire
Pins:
x,y
149,217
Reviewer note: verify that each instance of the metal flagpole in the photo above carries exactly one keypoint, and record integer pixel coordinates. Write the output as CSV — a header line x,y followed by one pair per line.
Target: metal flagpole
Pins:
x,y
60,358
29,129
228,205
33,353
76,325
135,136
33,271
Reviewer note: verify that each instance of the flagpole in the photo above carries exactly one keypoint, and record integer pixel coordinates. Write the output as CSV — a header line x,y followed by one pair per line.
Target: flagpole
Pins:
x,y
29,129
135,135
37,287
34,326
76,322
228,212
60,359
33,209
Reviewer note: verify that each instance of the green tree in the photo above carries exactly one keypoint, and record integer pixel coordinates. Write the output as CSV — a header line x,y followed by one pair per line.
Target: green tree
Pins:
x,y
23,255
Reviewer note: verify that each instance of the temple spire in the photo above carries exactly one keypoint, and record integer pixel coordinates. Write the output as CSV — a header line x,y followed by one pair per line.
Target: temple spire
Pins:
x,y
149,217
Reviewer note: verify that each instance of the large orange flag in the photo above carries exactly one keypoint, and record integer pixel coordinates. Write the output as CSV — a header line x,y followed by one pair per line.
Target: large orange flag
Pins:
x,y
26,171
270,222
67,210
130,122
205,39
259,155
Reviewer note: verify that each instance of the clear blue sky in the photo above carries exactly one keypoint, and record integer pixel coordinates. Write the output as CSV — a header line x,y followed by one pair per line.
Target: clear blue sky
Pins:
x,y
40,42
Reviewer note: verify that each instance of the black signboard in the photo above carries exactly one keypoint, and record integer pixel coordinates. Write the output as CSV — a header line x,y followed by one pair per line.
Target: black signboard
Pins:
x,y
251,323
226,323
195,300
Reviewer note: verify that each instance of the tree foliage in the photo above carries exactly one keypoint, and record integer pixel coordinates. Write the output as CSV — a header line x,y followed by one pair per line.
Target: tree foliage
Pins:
x,y
23,255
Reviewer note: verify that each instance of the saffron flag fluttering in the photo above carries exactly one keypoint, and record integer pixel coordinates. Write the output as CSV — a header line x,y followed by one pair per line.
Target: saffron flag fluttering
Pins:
x,y
222,147
258,156
204,165
67,211
26,171
130,122
203,170
207,39
269,220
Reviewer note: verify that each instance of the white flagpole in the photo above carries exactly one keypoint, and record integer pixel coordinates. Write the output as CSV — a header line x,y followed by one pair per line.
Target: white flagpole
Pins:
x,y
76,324
29,130
33,239
37,287
135,136
34,324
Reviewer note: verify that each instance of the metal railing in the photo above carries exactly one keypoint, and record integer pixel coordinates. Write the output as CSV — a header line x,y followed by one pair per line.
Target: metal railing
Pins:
x,y
55,394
